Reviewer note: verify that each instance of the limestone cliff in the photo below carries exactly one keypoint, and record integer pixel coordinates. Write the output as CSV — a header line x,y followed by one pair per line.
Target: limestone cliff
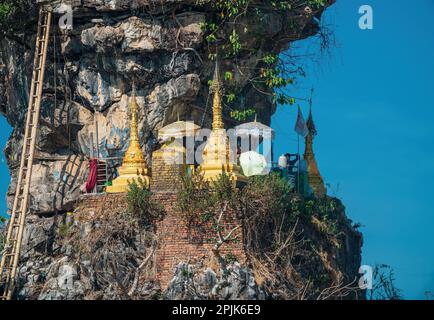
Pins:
x,y
162,45
310,250
90,70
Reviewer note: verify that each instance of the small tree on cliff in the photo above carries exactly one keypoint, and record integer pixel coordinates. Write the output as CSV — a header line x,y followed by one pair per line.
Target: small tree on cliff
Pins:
x,y
231,25
205,208
140,204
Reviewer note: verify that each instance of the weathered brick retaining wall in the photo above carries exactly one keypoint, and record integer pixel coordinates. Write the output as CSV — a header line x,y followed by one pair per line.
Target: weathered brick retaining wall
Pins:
x,y
177,241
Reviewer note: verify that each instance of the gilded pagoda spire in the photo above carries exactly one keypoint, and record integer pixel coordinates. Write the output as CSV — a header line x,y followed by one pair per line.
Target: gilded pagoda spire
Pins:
x,y
309,155
134,133
133,164
314,177
217,90
134,154
217,157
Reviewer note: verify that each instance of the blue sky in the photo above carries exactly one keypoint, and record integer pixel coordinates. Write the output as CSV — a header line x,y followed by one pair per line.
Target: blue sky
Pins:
x,y
5,131
374,112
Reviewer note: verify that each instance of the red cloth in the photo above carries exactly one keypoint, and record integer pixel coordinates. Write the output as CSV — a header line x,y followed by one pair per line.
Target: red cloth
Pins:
x,y
91,179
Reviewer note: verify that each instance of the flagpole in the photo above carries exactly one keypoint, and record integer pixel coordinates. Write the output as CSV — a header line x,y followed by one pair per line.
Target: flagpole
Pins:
x,y
298,163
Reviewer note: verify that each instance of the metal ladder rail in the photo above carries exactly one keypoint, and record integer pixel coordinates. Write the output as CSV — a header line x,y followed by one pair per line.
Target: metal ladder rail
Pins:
x,y
10,259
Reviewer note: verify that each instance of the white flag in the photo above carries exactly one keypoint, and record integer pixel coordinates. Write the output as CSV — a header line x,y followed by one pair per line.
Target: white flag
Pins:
x,y
300,126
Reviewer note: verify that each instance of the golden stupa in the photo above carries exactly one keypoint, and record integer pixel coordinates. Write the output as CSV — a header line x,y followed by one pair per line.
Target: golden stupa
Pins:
x,y
134,164
218,158
314,177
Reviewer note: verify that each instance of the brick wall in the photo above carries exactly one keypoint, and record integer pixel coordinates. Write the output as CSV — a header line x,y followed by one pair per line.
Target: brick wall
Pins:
x,y
91,206
177,242
165,176
182,243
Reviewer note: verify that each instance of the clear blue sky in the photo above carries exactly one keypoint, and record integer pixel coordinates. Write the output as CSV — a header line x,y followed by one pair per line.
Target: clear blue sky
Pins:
x,y
5,131
374,111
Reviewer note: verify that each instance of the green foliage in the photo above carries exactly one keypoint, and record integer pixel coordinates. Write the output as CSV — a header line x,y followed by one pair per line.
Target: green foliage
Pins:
x,y
205,205
323,214
228,76
286,237
230,258
230,98
5,10
192,196
11,11
274,192
317,4
224,30
66,229
242,115
272,78
283,99
140,204
199,201
235,45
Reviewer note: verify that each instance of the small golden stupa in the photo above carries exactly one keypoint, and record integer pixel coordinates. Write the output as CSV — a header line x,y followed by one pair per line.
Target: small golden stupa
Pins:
x,y
218,158
314,177
134,164
169,163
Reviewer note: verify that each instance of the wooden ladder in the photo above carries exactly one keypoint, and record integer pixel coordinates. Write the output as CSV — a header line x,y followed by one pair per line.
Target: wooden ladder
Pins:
x,y
11,254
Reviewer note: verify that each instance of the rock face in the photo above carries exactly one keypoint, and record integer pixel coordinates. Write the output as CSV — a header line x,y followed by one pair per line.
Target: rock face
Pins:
x,y
102,252
239,284
161,46
89,76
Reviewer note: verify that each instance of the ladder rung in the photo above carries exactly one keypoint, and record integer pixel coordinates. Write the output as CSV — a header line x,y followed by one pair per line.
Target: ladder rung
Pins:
x,y
9,254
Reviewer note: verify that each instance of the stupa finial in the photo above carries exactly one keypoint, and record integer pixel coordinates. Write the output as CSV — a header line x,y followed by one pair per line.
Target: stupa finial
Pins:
x,y
217,90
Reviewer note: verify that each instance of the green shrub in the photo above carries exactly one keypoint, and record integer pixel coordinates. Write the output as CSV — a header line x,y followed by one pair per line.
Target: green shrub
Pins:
x,y
65,229
270,194
5,10
140,204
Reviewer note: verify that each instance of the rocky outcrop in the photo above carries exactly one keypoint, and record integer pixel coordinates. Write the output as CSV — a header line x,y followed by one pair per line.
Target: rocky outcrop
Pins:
x,y
89,76
239,284
102,252
161,45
